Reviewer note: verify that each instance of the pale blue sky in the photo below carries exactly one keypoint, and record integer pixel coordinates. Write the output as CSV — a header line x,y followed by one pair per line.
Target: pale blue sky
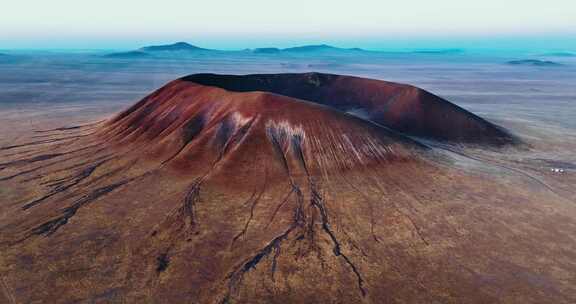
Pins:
x,y
249,23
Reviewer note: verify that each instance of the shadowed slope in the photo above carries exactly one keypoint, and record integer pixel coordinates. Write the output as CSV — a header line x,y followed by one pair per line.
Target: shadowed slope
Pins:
x,y
197,194
404,108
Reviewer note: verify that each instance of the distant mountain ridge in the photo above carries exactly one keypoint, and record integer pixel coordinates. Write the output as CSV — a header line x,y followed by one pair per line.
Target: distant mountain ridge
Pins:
x,y
187,48
323,48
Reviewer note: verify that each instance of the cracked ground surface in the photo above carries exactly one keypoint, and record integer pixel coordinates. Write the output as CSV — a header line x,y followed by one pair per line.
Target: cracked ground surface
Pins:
x,y
198,194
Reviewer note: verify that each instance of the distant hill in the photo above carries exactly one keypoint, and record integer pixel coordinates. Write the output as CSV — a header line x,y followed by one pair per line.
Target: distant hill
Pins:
x,y
130,54
533,62
559,54
169,50
178,46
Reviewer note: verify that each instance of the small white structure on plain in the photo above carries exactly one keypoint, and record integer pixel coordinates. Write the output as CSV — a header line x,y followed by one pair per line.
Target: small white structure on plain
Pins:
x,y
557,170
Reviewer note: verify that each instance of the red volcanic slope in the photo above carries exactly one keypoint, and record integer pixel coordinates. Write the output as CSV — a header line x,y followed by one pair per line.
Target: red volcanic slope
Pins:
x,y
401,107
198,194
172,120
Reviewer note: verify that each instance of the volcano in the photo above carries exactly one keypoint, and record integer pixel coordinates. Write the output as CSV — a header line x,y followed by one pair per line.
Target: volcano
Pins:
x,y
287,188
403,108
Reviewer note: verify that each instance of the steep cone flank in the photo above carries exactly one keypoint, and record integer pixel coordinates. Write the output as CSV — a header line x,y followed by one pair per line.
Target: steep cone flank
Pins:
x,y
203,194
403,108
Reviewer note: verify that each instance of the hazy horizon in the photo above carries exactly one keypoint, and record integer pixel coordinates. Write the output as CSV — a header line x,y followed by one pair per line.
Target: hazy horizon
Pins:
x,y
370,24
536,43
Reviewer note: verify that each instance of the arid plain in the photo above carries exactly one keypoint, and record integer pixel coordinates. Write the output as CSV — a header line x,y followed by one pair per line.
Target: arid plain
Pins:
x,y
143,179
